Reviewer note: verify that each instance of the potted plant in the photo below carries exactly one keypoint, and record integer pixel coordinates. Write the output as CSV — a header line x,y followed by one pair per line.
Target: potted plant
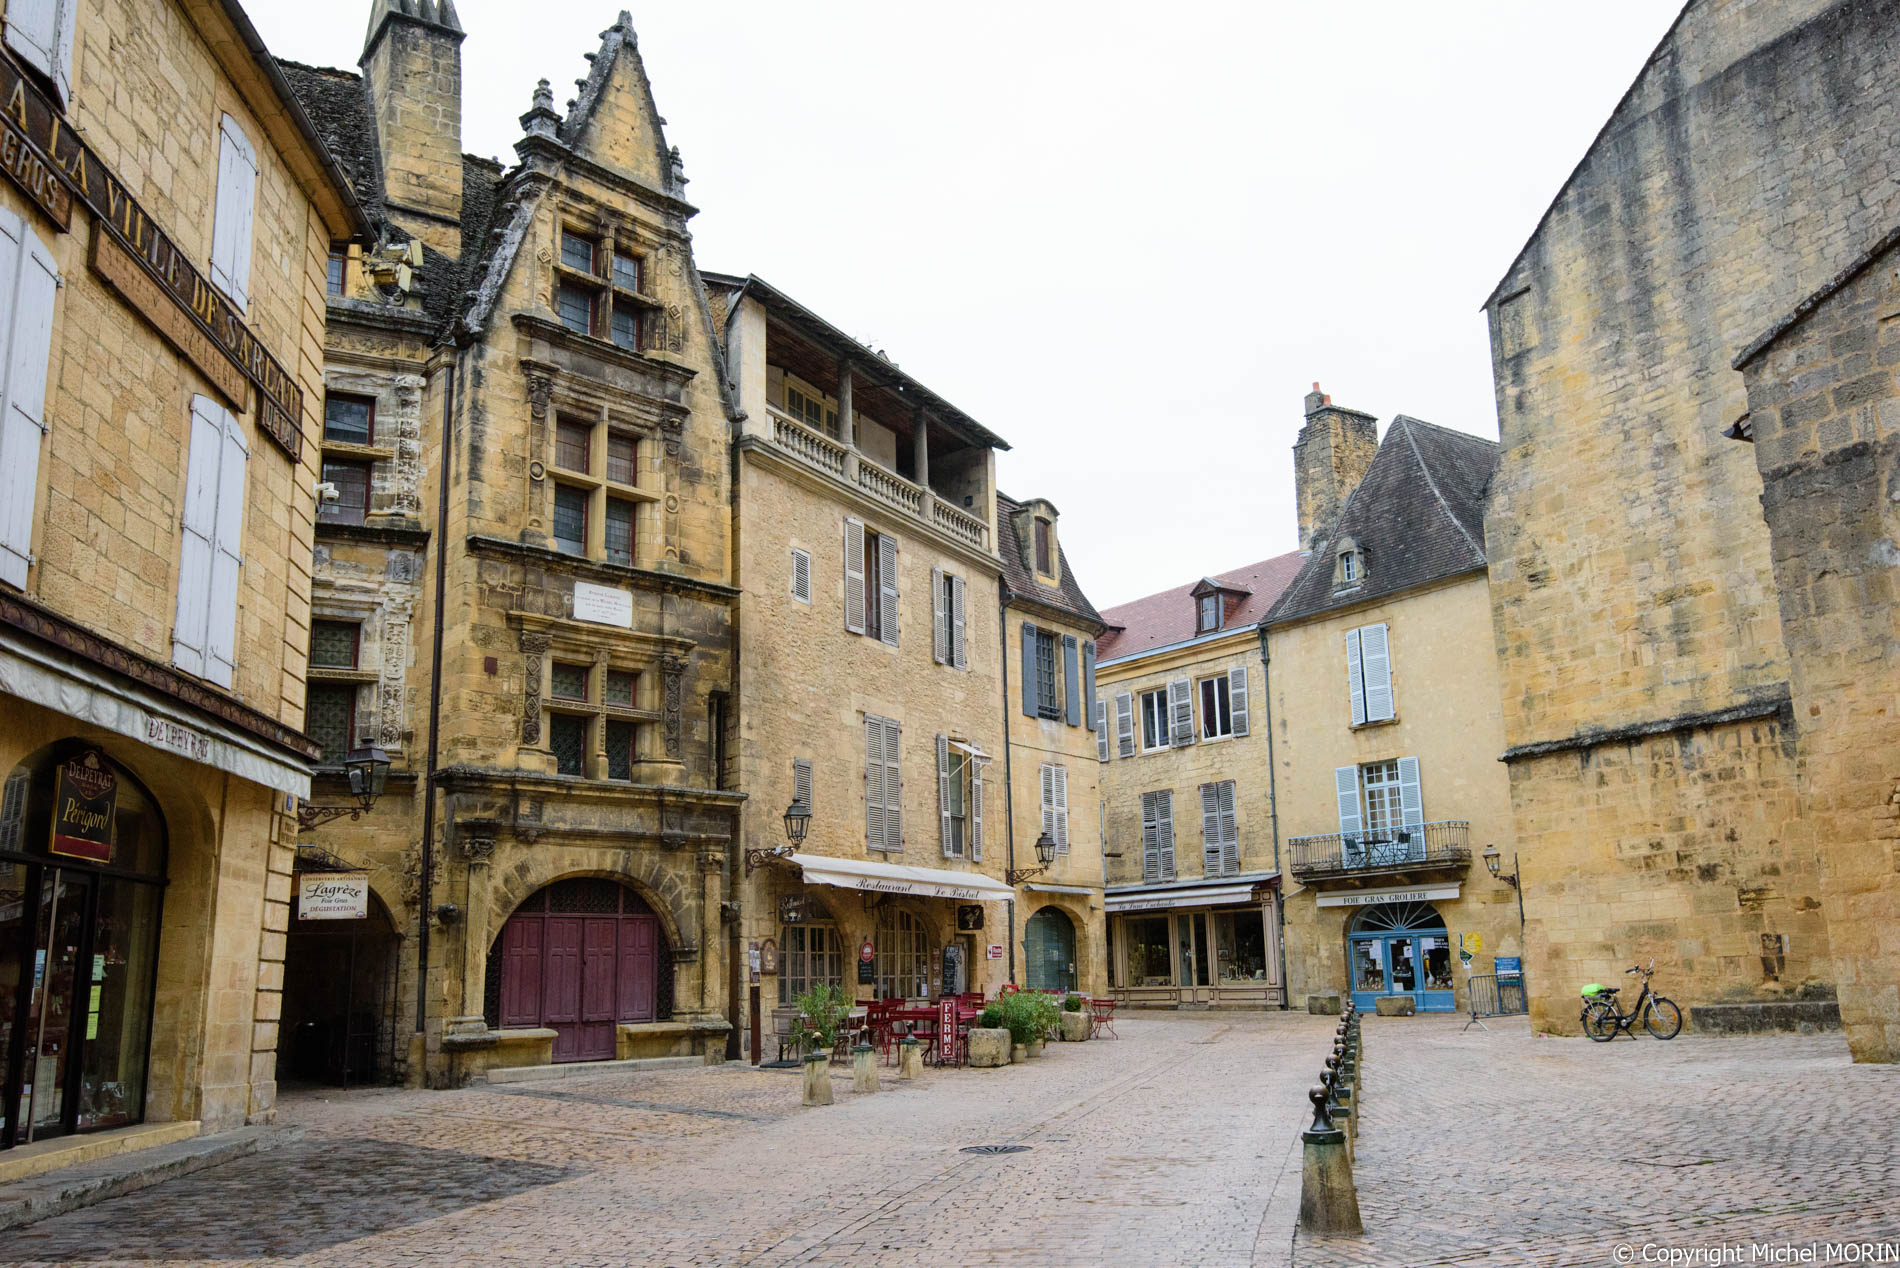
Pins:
x,y
1076,1020
990,1038
1045,1015
821,1013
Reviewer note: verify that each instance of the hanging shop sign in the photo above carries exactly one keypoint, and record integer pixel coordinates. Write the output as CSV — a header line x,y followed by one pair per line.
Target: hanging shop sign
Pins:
x,y
85,804
332,895
969,917
1367,897
179,302
791,909
768,956
996,951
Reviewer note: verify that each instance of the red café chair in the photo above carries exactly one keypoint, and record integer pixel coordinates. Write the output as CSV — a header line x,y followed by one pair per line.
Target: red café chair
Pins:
x,y
1102,1019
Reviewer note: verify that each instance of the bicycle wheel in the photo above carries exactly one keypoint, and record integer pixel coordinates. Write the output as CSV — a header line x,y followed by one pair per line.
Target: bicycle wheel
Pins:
x,y
1599,1021
1662,1018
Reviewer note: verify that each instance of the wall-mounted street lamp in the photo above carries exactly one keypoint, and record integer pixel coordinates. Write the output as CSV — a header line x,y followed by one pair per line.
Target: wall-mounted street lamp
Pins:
x,y
1045,851
1493,861
368,769
797,824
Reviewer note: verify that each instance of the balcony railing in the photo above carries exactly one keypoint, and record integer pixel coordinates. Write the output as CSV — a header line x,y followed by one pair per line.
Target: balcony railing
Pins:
x,y
894,489
818,450
1446,843
961,524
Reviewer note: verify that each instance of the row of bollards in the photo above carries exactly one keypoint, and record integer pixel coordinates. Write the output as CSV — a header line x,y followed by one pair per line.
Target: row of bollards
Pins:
x,y
864,1078
1329,1204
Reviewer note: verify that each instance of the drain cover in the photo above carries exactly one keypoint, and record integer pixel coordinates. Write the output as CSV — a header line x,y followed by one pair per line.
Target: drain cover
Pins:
x,y
994,1149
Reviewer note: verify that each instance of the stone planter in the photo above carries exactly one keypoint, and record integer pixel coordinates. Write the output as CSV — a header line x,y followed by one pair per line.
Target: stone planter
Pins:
x,y
1075,1027
988,1048
864,1068
818,1079
1326,1005
1395,1005
1035,1047
1019,1053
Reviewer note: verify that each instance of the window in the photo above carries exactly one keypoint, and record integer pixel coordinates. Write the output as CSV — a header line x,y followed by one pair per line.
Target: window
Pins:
x,y
621,736
567,736
572,442
627,271
1150,951
1048,691
1154,719
577,251
1380,780
1369,674
330,706
42,34
351,504
883,785
231,224
873,584
809,955
334,644
570,519
1217,715
801,575
870,583
619,528
1157,835
204,630
1380,809
1209,613
1349,568
32,280
574,305
568,682
333,276
623,453
350,420
620,688
1045,552
901,958
947,624
811,410
1220,831
625,328
959,799
1055,804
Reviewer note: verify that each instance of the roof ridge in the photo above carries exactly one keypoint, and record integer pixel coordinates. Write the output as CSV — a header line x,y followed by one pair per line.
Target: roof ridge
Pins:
x,y
1212,576
1425,468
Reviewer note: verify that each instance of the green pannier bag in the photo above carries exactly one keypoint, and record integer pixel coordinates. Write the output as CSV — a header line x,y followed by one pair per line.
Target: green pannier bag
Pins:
x,y
1592,989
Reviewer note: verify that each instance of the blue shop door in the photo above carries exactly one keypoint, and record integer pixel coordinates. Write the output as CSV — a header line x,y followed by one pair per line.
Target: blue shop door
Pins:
x,y
1368,972
1402,949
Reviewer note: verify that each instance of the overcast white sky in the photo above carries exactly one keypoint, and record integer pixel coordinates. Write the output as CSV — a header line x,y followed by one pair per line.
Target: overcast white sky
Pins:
x,y
1126,238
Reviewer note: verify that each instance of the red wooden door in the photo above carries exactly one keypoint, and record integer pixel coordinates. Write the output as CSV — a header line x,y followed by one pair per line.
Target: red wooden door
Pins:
x,y
521,972
639,963
561,989
596,1031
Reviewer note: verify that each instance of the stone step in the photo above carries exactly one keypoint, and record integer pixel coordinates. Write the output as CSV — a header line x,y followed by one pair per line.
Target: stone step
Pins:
x,y
581,1069
53,1193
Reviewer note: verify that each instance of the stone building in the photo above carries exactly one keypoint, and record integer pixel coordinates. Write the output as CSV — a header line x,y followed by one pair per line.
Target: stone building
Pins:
x,y
1381,698
1824,416
1193,898
524,584
1650,732
163,228
875,684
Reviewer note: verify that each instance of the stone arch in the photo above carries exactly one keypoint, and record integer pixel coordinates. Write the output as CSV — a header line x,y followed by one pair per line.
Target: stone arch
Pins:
x,y
1074,930
657,884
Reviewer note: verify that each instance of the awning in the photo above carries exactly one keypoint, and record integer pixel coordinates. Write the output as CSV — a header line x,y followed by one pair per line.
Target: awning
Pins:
x,y
893,878
1059,889
1161,900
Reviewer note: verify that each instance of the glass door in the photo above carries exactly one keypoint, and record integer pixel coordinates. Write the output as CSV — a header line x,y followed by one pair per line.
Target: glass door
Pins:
x,y
1368,972
55,1016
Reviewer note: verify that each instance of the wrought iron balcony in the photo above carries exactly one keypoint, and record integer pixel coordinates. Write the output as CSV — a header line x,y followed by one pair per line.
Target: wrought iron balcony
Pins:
x,y
1427,849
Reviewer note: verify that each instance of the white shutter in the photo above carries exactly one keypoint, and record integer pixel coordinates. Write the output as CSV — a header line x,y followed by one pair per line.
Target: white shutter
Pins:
x,y
1061,805
801,782
958,653
1355,681
28,282
1237,698
939,619
237,205
1181,712
1164,833
227,556
854,576
1229,830
198,521
1048,800
1346,784
887,587
1125,724
1411,802
801,575
874,782
943,795
1210,829
976,811
1101,729
893,787
1375,655
41,32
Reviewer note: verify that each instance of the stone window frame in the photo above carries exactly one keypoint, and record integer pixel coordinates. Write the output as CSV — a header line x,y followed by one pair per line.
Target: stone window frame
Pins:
x,y
611,236
602,656
605,423
1349,565
395,435
366,676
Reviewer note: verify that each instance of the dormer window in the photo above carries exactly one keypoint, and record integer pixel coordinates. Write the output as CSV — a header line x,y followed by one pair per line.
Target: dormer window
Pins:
x,y
1349,565
1045,549
1210,606
1215,602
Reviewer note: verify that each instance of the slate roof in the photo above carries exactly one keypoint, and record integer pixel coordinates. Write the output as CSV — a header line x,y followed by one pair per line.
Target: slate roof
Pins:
x,y
338,107
1167,618
1020,579
1418,517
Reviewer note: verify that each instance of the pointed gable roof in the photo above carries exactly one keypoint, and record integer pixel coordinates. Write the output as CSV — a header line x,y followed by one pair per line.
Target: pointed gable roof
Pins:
x,y
1417,517
1168,617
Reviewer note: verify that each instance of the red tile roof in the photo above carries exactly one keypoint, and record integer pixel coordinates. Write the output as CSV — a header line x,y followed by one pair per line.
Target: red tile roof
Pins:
x,y
1160,620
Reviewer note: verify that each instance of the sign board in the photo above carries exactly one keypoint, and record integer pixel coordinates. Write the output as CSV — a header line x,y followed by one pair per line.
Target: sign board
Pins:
x,y
791,909
332,895
996,950
768,956
756,960
866,952
947,1031
1366,897
85,805
32,171
867,976
1508,965
969,917
1474,942
166,734
603,605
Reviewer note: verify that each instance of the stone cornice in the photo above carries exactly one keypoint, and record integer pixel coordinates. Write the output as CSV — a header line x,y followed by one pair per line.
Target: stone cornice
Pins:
x,y
588,632
1772,702
391,535
594,570
588,346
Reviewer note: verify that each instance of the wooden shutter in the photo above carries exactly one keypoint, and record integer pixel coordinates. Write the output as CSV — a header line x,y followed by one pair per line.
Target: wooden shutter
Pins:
x,y
1411,801
41,32
521,972
939,620
1088,685
801,781
198,520
1101,729
1164,832
231,226
1124,724
1210,830
976,811
1346,785
958,632
28,281
893,787
887,588
801,575
227,556
1229,830
1237,698
1061,808
1355,678
874,797
1376,666
1150,838
1181,712
854,575
1029,671
943,795
1049,800
1071,680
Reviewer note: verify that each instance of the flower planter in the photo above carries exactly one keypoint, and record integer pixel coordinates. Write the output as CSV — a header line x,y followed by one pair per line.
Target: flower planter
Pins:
x,y
1075,1027
1035,1047
989,1048
1019,1053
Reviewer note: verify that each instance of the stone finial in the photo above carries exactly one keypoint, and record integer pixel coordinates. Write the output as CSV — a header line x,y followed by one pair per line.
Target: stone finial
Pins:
x,y
544,100
541,120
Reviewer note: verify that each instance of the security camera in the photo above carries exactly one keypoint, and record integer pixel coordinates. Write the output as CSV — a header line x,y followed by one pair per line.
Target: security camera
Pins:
x,y
327,491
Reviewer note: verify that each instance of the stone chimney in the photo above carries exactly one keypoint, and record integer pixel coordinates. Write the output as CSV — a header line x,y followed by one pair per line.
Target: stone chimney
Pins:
x,y
412,65
1330,458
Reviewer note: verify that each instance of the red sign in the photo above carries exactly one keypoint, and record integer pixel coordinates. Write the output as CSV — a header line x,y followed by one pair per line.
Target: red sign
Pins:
x,y
85,800
947,1030
865,953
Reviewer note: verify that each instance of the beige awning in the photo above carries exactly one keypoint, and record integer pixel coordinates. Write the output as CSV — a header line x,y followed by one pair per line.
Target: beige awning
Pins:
x,y
1162,900
895,878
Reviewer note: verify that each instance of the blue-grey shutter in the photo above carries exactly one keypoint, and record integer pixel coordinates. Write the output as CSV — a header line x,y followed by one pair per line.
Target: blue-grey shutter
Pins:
x,y
1346,783
887,588
853,575
1150,837
958,655
943,794
233,222
1412,805
976,810
1210,830
1376,666
1355,678
1072,680
939,620
1124,724
874,795
1088,683
1237,698
801,782
893,787
1101,729
1164,833
1029,670
1229,830
1181,713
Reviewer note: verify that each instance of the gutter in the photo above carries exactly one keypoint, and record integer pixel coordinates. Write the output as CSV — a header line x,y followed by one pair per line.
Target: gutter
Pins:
x,y
426,860
1273,815
1009,778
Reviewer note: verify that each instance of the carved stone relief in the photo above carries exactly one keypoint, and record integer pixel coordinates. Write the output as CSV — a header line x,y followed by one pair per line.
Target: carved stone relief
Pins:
x,y
672,675
534,645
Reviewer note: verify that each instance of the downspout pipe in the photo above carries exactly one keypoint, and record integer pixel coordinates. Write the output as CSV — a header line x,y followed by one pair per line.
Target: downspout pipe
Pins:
x,y
426,854
1009,778
1273,816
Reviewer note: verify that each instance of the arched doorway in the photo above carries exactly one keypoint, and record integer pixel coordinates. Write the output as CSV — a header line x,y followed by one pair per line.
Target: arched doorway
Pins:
x,y
1401,949
1049,950
80,900
578,958
339,1019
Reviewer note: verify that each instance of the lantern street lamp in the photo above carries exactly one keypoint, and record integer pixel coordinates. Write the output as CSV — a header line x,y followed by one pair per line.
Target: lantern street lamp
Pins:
x,y
1045,851
1493,861
367,768
797,824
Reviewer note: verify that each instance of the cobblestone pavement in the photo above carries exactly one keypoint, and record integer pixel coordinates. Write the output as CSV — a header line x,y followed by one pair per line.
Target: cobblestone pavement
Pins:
x,y
1505,1148
1176,1144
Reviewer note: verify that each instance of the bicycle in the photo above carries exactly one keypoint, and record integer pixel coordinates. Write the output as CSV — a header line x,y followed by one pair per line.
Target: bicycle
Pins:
x,y
1603,1020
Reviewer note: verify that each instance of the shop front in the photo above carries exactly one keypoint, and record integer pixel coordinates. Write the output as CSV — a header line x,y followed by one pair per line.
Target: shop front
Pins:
x,y
1211,943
